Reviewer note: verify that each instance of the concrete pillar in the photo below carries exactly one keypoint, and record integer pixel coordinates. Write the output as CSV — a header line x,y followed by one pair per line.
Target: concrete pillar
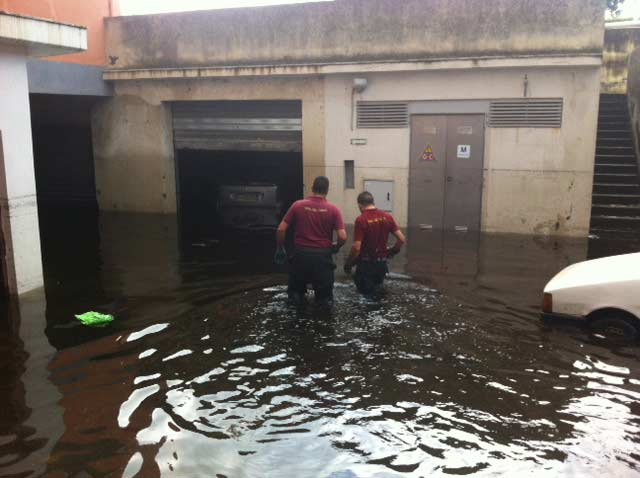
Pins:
x,y
20,233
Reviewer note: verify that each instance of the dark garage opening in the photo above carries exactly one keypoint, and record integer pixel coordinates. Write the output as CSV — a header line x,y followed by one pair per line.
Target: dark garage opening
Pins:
x,y
202,173
234,160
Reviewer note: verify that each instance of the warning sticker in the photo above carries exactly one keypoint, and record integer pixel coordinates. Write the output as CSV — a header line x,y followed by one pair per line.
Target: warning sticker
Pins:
x,y
428,155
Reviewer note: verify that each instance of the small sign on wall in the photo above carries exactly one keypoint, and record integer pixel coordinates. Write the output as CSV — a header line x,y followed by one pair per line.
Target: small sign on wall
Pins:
x,y
464,151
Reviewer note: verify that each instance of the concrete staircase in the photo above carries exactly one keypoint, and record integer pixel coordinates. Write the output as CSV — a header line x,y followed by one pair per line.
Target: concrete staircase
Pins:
x,y
616,189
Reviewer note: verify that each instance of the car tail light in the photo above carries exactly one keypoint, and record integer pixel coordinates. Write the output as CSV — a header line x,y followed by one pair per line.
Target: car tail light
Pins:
x,y
547,303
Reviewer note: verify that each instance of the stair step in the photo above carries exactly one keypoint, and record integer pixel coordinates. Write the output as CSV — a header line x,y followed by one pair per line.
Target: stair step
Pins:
x,y
615,159
616,210
617,156
613,129
607,188
615,150
617,125
616,168
617,178
604,217
614,223
608,199
613,115
615,135
615,142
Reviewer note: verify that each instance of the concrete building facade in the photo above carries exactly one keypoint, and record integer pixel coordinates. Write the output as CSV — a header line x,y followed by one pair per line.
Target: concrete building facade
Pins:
x,y
529,70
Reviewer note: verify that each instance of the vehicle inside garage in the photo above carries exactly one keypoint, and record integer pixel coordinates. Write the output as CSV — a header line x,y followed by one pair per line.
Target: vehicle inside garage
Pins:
x,y
239,164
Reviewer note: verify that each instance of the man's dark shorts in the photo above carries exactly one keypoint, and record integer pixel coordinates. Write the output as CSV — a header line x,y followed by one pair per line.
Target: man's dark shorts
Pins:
x,y
311,266
369,276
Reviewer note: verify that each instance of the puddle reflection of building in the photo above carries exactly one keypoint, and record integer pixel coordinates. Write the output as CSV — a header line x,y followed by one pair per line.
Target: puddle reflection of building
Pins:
x,y
139,253
515,266
33,404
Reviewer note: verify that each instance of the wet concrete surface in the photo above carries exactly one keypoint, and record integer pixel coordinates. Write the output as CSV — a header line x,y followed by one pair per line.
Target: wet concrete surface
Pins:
x,y
206,372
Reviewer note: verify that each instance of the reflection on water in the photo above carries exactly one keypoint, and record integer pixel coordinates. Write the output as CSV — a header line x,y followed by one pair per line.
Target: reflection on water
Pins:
x,y
207,372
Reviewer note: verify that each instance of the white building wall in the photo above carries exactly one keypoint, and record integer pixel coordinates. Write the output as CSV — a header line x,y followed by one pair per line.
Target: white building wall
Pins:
x,y
535,180
22,260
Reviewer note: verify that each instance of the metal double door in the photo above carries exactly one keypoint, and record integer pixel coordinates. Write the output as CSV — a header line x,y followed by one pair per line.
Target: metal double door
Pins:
x,y
446,165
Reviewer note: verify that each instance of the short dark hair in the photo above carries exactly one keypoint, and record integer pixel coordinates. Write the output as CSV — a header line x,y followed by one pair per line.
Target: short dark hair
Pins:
x,y
365,198
320,185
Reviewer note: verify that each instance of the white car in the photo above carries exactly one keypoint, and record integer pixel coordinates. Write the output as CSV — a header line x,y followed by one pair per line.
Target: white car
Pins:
x,y
605,293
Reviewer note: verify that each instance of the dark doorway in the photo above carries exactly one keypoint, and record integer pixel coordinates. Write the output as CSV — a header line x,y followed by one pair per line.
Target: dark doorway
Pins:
x,y
239,164
202,173
62,149
65,186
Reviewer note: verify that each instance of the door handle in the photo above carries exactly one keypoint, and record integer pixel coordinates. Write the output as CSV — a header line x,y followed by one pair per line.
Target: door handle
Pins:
x,y
449,179
388,196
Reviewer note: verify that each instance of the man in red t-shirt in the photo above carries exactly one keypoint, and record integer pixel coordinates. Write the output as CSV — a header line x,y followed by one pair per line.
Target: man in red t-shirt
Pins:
x,y
369,251
314,220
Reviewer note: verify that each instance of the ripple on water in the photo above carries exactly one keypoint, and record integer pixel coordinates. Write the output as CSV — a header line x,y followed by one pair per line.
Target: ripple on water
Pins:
x,y
414,384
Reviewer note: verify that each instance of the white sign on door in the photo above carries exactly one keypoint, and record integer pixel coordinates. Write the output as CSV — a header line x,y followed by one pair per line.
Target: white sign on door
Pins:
x,y
464,151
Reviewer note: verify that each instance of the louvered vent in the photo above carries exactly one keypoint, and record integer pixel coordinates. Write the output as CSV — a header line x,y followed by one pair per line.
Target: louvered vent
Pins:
x,y
526,113
379,114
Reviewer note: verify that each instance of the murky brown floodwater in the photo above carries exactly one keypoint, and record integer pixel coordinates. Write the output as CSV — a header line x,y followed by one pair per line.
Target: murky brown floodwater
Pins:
x,y
207,373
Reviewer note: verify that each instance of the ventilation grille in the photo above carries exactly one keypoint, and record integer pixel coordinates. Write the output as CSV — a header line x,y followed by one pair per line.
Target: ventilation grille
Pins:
x,y
526,113
378,114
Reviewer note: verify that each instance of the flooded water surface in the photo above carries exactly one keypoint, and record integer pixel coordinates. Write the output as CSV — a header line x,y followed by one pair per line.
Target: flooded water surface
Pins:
x,y
207,372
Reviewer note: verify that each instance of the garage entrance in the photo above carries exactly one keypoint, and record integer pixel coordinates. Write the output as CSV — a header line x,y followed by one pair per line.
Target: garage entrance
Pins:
x,y
445,187
239,163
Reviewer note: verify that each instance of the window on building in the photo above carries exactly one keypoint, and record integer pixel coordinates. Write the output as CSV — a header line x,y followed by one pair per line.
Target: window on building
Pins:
x,y
349,175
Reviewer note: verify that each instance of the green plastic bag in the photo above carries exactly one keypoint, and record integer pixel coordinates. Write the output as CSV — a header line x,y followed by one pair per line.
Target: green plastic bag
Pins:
x,y
94,319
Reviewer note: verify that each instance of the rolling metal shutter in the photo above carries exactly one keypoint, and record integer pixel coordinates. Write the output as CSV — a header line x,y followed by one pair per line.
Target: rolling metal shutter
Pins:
x,y
238,125
526,113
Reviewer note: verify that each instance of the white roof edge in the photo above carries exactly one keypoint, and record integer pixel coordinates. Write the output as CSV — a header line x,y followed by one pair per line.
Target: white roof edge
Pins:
x,y
41,37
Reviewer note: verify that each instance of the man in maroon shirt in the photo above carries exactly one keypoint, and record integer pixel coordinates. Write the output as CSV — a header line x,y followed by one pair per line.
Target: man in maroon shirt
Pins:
x,y
369,251
314,220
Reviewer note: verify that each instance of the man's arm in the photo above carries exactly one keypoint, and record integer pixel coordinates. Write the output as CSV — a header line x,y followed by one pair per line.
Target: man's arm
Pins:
x,y
400,241
281,234
354,254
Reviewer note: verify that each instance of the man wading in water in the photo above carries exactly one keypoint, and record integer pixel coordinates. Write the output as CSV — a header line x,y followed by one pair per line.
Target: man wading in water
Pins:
x,y
314,220
369,252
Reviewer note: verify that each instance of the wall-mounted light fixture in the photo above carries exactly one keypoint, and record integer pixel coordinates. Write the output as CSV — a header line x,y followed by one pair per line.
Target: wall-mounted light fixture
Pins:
x,y
359,85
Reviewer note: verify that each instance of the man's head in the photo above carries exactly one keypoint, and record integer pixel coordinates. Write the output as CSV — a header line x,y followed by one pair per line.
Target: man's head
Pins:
x,y
320,186
365,200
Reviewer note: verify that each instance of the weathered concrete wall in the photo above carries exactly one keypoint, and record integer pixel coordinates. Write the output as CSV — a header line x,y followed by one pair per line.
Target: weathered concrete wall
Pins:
x,y
133,149
535,180
619,43
133,156
357,30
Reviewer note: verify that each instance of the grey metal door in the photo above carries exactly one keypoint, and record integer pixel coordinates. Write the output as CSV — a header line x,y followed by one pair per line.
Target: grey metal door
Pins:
x,y
382,191
463,186
426,171
445,183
